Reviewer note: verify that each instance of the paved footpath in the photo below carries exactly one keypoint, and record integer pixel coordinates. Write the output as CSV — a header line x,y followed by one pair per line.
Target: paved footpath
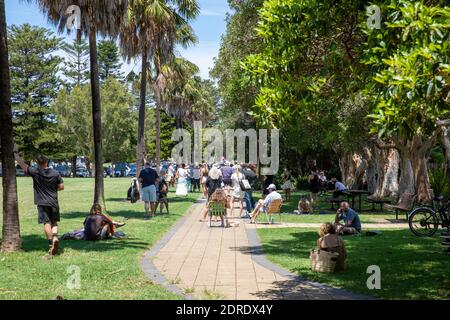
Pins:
x,y
216,263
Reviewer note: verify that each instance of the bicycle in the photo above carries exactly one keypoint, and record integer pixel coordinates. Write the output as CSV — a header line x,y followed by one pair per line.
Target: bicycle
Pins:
x,y
425,221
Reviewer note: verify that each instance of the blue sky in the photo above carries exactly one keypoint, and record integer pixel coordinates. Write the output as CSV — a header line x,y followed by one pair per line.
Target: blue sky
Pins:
x,y
209,27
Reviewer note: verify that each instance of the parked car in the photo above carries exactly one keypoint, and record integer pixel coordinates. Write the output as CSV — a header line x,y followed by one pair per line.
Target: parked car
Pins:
x,y
63,170
121,169
19,171
82,173
133,170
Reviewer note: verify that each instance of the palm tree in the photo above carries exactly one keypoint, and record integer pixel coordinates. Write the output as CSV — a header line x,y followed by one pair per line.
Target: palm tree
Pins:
x,y
182,90
152,29
11,228
97,16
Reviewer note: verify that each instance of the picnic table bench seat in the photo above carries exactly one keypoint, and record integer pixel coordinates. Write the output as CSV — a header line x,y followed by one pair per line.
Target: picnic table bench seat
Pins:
x,y
333,201
376,200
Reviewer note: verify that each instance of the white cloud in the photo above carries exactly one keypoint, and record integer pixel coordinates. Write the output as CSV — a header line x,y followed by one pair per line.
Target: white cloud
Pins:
x,y
212,13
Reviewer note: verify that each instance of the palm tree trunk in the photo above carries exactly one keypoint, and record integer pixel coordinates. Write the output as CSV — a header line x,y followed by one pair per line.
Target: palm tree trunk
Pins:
x,y
96,114
158,134
11,228
141,120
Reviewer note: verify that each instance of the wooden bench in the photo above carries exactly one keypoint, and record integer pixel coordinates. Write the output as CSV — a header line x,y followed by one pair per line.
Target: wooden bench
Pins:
x,y
334,201
375,200
405,204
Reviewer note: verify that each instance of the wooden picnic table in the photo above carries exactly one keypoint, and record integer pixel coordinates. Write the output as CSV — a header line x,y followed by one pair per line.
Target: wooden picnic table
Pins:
x,y
353,193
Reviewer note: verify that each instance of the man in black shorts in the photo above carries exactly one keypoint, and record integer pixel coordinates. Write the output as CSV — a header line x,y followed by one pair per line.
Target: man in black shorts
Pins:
x,y
46,184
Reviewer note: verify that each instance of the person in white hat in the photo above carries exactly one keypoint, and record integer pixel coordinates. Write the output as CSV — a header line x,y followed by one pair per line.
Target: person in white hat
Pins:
x,y
263,204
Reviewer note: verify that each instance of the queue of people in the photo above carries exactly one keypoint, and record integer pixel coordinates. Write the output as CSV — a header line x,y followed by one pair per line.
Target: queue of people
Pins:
x,y
221,183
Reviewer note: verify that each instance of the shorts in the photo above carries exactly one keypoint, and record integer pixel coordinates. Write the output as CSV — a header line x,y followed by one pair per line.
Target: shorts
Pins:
x,y
149,193
349,231
47,214
227,182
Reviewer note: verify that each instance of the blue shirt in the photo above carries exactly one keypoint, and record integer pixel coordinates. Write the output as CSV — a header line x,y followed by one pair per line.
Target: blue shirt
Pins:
x,y
340,186
352,216
148,177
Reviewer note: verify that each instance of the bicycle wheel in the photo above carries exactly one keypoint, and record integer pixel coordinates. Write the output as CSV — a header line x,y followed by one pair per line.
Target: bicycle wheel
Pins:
x,y
423,222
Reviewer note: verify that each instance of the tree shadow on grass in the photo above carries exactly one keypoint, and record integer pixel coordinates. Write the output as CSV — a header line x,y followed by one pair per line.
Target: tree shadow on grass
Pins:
x,y
31,243
412,268
120,214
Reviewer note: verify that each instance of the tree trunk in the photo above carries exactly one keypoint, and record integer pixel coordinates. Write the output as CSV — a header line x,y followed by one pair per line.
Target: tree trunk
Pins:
x,y
406,181
382,171
141,120
178,122
414,171
74,166
390,182
96,114
421,179
352,167
158,134
11,228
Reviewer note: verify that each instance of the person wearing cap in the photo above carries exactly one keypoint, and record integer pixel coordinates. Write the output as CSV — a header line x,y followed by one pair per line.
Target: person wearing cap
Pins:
x,y
263,204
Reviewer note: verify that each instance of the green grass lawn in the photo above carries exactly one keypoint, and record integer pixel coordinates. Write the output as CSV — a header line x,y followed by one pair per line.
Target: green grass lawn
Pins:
x,y
411,267
323,213
109,269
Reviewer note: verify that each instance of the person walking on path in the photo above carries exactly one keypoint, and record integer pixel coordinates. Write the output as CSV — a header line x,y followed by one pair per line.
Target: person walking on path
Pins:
x,y
46,184
148,178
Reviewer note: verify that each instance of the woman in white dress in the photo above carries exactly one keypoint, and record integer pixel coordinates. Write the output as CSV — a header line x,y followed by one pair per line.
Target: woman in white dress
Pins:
x,y
182,175
237,194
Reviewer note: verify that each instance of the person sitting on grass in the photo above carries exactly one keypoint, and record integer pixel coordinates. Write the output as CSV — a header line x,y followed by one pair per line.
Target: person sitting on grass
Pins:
x,y
331,242
98,226
218,196
263,205
304,206
352,223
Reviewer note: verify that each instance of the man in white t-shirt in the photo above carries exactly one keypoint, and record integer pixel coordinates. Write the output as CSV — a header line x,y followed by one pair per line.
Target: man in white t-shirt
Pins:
x,y
263,204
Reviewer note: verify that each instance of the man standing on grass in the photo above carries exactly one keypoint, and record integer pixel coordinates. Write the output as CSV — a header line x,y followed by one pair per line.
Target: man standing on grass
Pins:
x,y
148,178
46,184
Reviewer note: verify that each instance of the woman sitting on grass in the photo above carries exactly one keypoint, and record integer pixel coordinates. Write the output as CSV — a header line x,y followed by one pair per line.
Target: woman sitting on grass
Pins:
x,y
331,242
304,206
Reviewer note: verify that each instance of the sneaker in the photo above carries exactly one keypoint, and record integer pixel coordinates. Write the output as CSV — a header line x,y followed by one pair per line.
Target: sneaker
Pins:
x,y
55,245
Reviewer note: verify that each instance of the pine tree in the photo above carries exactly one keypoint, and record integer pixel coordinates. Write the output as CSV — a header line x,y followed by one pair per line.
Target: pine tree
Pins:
x,y
34,84
76,68
109,64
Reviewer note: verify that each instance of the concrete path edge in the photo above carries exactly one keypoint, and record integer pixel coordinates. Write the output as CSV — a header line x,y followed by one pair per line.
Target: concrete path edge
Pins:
x,y
149,268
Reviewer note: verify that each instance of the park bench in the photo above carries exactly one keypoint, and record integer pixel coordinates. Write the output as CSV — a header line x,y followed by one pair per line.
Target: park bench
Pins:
x,y
334,201
405,204
377,201
274,208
